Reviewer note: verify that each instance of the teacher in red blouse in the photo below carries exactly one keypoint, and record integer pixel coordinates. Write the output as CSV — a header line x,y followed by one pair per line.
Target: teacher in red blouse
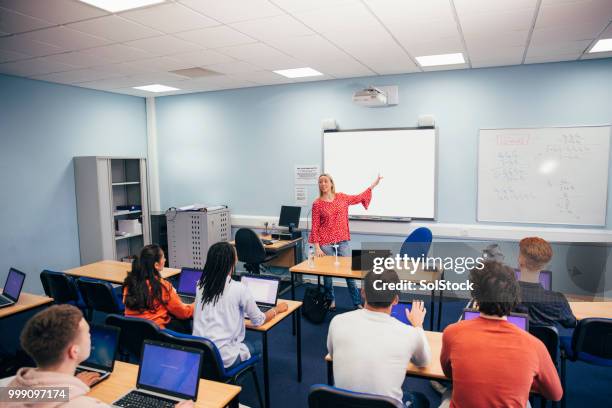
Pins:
x,y
330,226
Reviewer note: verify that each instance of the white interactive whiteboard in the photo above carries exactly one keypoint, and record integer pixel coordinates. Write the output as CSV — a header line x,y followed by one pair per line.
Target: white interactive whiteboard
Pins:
x,y
406,158
548,175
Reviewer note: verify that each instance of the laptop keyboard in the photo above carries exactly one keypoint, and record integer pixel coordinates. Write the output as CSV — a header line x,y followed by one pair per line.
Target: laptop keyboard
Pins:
x,y
187,299
4,301
136,399
264,308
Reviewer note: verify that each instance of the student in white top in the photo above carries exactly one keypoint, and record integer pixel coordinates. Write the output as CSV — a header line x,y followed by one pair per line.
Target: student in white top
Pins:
x,y
222,304
371,349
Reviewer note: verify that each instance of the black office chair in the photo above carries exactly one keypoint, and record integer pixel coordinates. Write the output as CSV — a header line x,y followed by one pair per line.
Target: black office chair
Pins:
x,y
251,250
62,288
134,331
590,343
99,295
325,396
549,335
212,365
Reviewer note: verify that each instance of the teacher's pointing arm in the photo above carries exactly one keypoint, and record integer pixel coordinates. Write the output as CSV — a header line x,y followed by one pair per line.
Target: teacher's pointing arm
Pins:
x,y
365,197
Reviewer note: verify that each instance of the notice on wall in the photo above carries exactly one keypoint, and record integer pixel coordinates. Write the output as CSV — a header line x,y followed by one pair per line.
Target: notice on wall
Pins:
x,y
301,196
306,173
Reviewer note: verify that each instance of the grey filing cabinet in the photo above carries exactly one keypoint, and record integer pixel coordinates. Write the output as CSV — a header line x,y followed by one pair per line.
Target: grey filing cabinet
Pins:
x,y
191,233
102,185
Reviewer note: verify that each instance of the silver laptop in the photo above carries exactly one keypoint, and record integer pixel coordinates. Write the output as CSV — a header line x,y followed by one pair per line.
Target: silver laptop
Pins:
x,y
12,288
264,289
104,341
167,375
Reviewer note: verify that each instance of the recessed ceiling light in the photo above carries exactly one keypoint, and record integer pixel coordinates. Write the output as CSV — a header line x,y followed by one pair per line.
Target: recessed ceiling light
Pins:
x,y
298,72
156,88
441,59
115,6
605,44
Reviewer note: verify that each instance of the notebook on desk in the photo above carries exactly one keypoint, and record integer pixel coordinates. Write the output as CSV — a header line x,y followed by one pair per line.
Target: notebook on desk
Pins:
x,y
168,374
188,284
104,341
264,290
12,288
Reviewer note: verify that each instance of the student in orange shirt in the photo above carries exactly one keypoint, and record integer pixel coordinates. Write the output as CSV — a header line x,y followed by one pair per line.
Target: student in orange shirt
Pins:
x,y
149,296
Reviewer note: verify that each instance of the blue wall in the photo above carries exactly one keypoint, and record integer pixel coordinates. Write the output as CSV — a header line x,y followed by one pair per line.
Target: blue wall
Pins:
x,y
239,146
42,126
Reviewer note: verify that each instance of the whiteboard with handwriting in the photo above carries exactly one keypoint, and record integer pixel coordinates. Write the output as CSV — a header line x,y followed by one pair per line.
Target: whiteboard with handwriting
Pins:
x,y
544,176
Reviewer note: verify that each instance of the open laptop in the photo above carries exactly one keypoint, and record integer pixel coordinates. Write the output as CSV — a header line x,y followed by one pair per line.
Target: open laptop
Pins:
x,y
520,320
363,259
104,341
264,289
399,312
167,375
12,288
188,283
545,278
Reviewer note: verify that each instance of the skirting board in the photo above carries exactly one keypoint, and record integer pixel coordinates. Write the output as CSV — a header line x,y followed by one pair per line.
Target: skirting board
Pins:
x,y
446,230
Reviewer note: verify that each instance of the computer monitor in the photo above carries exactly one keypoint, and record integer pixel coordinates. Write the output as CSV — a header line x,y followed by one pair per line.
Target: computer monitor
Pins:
x,y
545,278
520,320
399,312
289,216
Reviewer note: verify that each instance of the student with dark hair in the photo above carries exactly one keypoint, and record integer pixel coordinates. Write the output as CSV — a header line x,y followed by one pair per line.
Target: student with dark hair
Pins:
x,y
371,349
545,307
491,362
222,305
149,296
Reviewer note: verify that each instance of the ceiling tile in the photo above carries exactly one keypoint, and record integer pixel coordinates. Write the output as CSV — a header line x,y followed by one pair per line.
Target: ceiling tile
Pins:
x,y
495,62
551,58
170,18
6,56
14,22
521,19
312,48
35,66
81,75
423,30
597,12
201,58
262,55
164,78
440,46
262,78
573,32
231,11
156,64
164,45
492,52
112,83
408,12
558,48
272,28
597,55
55,11
607,33
20,44
235,67
215,37
345,67
355,17
66,38
78,59
114,28
445,67
499,39
296,6
467,7
118,53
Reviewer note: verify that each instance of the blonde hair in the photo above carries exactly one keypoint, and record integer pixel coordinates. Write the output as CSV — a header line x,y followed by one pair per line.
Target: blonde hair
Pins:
x,y
333,185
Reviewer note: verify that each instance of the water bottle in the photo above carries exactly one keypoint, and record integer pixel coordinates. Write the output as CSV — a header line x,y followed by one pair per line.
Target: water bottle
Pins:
x,y
311,257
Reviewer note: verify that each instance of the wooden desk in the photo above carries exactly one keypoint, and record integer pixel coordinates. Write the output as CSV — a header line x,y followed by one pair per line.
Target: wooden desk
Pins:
x,y
211,394
325,266
432,371
26,301
289,253
293,308
583,310
112,271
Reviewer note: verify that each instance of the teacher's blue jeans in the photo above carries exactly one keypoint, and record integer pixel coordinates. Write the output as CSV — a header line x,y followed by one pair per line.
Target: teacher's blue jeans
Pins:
x,y
343,250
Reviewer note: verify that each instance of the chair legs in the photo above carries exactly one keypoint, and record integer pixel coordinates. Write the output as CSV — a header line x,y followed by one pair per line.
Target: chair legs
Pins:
x,y
257,389
563,373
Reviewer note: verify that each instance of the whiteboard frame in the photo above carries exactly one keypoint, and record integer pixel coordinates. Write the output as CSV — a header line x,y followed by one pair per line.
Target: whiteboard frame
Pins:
x,y
388,218
605,223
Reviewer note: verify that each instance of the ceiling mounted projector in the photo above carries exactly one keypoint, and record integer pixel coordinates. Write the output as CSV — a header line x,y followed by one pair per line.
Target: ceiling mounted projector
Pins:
x,y
370,97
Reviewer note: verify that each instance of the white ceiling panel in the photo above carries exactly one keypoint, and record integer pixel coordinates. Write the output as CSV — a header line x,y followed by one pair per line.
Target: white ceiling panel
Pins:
x,y
201,58
558,48
272,28
261,78
81,75
598,55
467,7
231,11
236,67
495,62
164,45
521,19
355,17
262,55
115,28
398,11
55,11
445,67
597,12
14,22
608,32
18,43
6,56
496,39
164,78
342,68
215,37
157,64
66,38
423,30
440,46
551,58
312,48
491,52
78,59
550,35
35,66
170,18
118,53
113,83
296,6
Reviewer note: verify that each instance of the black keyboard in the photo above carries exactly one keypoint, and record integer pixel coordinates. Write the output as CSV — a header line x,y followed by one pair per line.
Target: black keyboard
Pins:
x,y
267,241
264,308
136,399
4,301
187,299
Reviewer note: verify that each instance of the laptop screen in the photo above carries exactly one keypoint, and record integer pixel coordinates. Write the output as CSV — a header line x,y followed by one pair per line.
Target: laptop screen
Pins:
x,y
399,312
519,320
104,341
171,370
13,285
545,278
263,289
188,281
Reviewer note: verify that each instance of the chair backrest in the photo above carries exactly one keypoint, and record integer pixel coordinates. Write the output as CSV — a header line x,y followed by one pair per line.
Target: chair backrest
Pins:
x,y
59,286
417,244
249,247
549,335
325,396
99,295
134,331
592,341
212,364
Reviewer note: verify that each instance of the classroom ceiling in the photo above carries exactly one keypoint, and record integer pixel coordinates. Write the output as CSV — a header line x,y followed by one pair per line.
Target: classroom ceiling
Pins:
x,y
243,41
